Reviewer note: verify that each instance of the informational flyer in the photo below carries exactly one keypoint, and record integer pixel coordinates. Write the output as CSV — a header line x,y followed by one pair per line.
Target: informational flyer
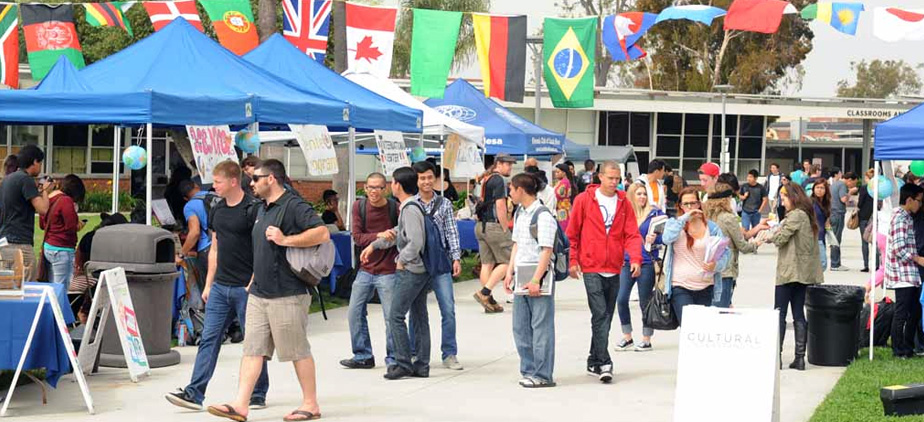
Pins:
x,y
211,145
318,148
392,150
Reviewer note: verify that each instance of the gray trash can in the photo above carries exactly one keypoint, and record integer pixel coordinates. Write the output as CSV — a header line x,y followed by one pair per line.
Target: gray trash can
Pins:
x,y
147,255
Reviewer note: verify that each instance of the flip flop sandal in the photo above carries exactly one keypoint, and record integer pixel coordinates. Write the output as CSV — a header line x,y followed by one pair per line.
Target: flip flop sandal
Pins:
x,y
228,413
308,416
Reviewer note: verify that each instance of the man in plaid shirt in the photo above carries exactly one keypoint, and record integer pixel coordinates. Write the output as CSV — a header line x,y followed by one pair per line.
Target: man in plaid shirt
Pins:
x,y
901,273
443,215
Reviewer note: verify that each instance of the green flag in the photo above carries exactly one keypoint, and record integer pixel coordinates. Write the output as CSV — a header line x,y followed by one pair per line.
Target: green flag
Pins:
x,y
569,49
433,43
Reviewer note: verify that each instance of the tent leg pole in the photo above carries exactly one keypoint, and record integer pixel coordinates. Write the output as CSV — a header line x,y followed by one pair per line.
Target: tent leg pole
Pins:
x,y
351,182
149,175
442,164
875,251
116,147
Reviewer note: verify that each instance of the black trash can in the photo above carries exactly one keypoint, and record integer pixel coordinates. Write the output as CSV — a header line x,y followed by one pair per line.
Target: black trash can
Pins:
x,y
833,313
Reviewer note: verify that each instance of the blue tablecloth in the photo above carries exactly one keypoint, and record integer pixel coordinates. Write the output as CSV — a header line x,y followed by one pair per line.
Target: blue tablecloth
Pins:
x,y
467,239
343,258
48,350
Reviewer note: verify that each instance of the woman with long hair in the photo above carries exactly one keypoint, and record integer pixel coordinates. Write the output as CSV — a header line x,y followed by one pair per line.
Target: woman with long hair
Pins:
x,y
780,209
718,209
637,197
797,245
61,225
821,202
689,278
564,194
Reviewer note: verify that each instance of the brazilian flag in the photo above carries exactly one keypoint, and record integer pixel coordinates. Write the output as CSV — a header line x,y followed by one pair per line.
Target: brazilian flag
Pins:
x,y
569,49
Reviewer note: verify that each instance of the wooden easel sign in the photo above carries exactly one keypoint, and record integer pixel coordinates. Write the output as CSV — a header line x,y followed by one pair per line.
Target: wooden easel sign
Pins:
x,y
112,293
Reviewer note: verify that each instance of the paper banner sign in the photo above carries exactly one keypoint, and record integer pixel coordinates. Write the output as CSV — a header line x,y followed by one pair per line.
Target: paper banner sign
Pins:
x,y
451,152
392,150
211,145
468,162
318,149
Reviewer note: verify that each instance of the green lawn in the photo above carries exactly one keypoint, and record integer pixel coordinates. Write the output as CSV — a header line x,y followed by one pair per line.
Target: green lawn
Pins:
x,y
92,222
855,398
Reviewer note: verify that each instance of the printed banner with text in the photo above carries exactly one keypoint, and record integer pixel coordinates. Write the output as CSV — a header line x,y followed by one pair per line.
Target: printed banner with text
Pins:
x,y
211,145
318,149
392,150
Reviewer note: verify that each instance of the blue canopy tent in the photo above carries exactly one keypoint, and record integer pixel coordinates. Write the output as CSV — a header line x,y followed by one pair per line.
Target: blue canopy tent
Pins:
x,y
504,130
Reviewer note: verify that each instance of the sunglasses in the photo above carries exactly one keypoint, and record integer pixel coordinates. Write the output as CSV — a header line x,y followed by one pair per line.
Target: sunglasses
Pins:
x,y
256,177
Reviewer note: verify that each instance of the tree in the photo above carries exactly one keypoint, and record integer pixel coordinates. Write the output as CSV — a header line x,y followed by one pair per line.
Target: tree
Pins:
x,y
882,79
465,47
582,8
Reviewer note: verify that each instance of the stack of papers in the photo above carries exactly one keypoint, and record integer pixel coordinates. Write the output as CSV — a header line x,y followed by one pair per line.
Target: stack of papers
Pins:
x,y
715,247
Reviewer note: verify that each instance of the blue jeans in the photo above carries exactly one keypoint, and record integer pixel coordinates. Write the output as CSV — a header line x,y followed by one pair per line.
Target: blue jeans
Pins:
x,y
410,296
601,298
722,293
750,219
442,287
681,297
60,266
364,286
534,335
645,282
824,254
224,302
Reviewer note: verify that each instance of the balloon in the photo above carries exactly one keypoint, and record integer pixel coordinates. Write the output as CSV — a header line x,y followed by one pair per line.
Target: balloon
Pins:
x,y
899,183
885,187
247,141
917,168
798,177
135,157
418,154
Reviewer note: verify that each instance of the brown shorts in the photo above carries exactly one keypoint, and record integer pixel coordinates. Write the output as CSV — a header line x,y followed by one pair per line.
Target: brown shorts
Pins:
x,y
494,243
279,325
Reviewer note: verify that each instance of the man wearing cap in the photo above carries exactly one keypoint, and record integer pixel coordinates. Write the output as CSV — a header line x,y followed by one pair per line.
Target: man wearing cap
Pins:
x,y
708,173
493,235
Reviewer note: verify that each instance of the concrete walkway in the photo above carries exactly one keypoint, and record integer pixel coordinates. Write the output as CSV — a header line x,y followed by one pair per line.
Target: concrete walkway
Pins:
x,y
487,389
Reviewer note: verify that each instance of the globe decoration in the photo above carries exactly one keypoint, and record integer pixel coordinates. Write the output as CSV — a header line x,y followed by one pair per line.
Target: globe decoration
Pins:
x,y
917,168
885,187
247,141
418,154
798,177
135,157
899,183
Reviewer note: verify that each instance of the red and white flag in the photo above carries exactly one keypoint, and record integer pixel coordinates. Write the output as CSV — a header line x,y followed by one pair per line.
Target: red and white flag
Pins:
x,y
370,35
164,12
894,24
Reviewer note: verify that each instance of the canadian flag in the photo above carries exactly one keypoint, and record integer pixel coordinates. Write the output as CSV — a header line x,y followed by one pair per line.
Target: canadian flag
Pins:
x,y
164,12
894,24
370,36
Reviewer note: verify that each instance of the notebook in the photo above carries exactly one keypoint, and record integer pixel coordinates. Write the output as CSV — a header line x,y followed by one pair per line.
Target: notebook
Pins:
x,y
524,273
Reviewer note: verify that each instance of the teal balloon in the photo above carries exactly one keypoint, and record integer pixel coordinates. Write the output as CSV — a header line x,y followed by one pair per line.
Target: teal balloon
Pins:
x,y
798,177
917,168
418,154
885,187
135,157
247,141
899,183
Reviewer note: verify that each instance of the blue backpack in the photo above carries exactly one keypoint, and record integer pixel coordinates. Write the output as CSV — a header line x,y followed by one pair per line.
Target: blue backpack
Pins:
x,y
561,250
434,255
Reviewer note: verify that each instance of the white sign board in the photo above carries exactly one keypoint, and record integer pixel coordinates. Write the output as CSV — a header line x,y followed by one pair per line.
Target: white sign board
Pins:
x,y
211,145
392,150
318,149
162,211
469,161
728,369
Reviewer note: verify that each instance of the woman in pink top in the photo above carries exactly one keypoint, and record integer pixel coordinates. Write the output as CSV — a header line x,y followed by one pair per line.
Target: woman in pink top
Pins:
x,y
564,194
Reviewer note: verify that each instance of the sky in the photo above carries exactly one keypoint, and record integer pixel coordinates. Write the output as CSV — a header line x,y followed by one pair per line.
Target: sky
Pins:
x,y
828,62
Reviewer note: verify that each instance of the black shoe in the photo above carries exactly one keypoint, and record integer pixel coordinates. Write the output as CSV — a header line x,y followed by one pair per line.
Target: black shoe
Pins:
x,y
179,398
257,403
397,372
235,333
593,370
606,374
421,372
358,364
801,335
865,270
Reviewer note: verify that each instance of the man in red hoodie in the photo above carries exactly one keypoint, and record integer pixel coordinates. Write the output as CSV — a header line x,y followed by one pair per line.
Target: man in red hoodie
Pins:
x,y
602,231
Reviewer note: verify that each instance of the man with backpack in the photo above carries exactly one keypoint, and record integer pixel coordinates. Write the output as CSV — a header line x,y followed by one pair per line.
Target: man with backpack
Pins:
x,y
493,236
230,266
601,231
441,210
412,281
198,239
277,310
374,217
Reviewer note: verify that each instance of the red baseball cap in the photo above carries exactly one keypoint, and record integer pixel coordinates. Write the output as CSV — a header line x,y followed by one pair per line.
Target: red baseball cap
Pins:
x,y
710,169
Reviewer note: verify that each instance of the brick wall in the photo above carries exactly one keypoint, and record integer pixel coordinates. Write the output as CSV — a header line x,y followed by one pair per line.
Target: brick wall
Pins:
x,y
105,185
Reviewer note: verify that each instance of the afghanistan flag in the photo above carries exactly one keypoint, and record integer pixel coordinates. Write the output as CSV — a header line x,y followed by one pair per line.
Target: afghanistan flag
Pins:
x,y
233,23
9,45
501,45
569,47
50,33
108,14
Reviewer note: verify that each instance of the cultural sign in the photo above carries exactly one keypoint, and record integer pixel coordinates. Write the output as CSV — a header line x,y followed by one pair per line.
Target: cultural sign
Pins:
x,y
468,162
211,145
392,150
318,149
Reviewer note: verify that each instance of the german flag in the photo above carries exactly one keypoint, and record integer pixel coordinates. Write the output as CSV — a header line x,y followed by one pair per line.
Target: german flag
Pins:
x,y
107,14
501,45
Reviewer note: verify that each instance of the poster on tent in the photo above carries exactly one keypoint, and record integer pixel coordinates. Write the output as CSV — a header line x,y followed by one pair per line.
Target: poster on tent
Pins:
x,y
211,145
318,148
392,150
469,162
451,152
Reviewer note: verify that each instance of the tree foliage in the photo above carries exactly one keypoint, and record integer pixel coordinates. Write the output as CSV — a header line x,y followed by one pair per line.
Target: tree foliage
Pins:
x,y
882,79
600,8
465,47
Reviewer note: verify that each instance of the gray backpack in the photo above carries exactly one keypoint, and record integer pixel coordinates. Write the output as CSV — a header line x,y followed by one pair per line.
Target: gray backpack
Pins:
x,y
310,264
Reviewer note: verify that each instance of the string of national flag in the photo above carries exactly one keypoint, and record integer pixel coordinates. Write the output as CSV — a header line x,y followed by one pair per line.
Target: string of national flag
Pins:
x,y
568,44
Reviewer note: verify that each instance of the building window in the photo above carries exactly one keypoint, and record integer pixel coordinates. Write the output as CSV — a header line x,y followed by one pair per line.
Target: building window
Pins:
x,y
101,154
668,146
69,144
696,124
640,133
616,128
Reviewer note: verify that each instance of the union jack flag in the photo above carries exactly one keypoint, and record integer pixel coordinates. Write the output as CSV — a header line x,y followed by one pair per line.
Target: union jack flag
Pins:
x,y
306,24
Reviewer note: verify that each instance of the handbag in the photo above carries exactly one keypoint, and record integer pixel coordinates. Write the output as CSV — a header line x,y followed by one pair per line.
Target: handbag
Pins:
x,y
853,222
658,312
868,233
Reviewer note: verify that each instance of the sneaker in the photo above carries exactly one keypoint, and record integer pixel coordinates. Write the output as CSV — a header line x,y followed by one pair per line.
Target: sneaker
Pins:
x,y
865,270
452,362
257,403
179,398
485,301
593,370
396,373
606,373
644,346
624,345
358,364
841,268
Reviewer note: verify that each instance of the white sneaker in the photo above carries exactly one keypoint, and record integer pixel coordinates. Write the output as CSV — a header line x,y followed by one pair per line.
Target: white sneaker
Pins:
x,y
452,362
841,268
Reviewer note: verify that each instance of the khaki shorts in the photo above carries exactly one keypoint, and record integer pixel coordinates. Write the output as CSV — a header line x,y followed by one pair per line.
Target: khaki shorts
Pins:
x,y
279,325
494,243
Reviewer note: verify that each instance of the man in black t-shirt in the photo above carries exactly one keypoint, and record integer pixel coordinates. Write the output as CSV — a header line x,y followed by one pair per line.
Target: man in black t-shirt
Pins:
x,y
493,234
230,267
277,310
20,199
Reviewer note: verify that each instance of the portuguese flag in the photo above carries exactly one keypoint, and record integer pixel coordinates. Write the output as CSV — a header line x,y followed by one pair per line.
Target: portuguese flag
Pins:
x,y
9,45
501,45
233,23
107,14
50,33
